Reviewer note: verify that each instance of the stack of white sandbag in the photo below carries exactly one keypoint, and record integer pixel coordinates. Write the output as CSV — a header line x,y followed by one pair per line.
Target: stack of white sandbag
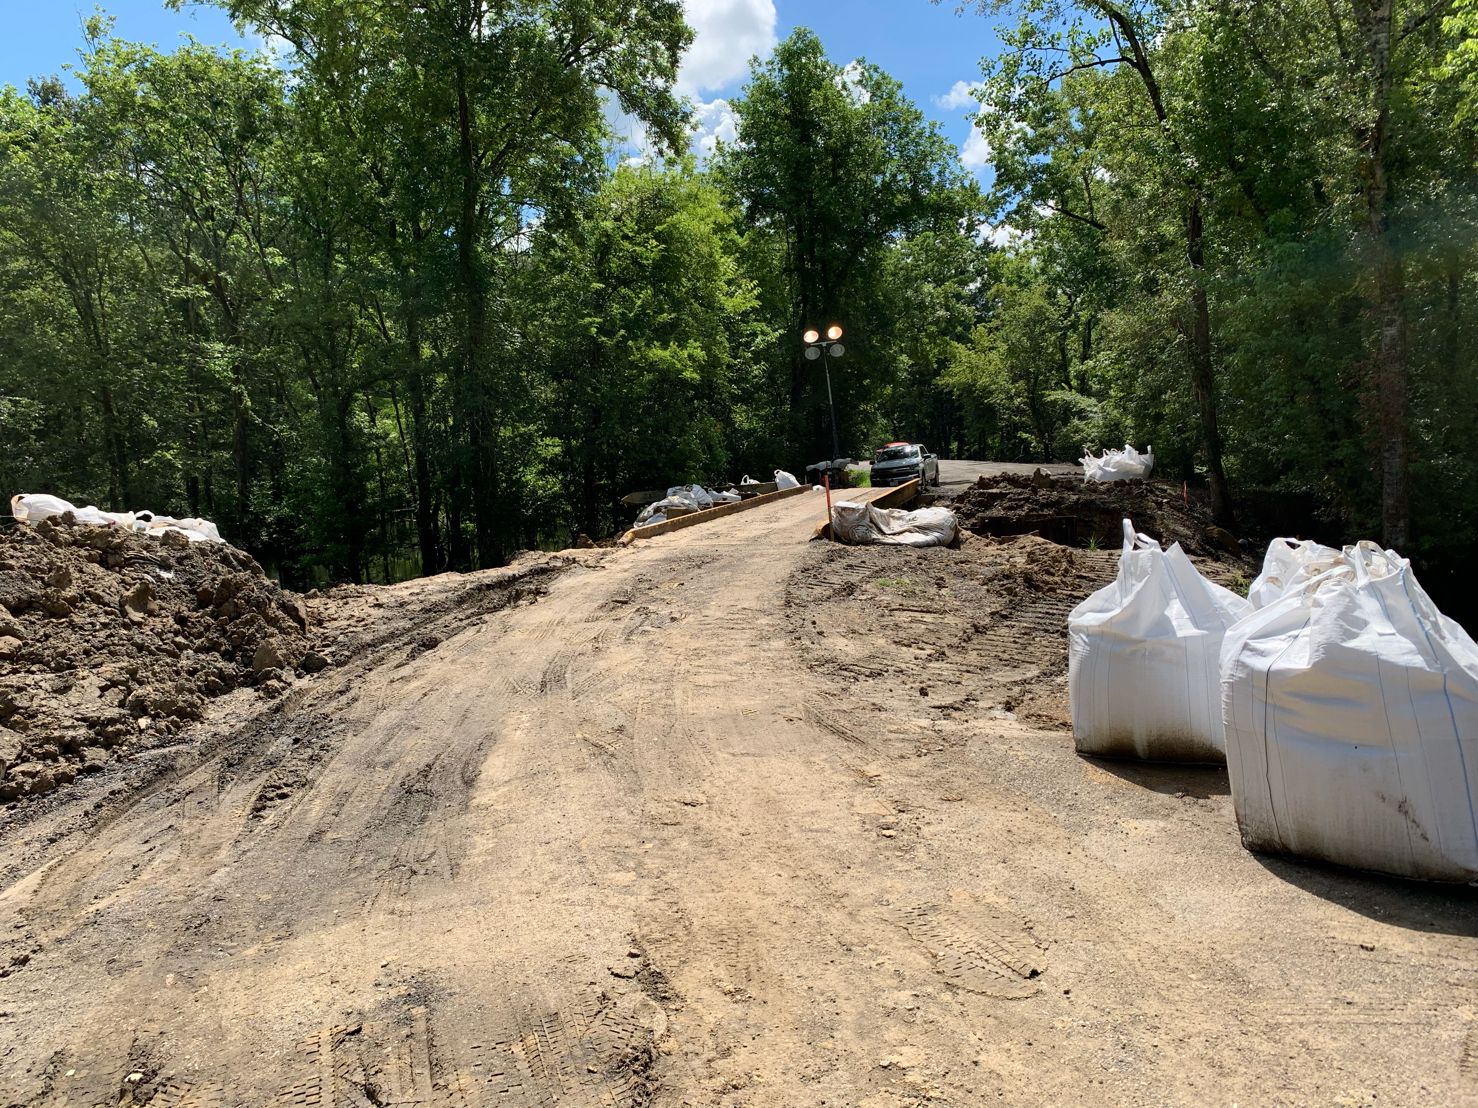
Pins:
x,y
1118,465
1345,704
34,507
1143,655
1351,713
683,499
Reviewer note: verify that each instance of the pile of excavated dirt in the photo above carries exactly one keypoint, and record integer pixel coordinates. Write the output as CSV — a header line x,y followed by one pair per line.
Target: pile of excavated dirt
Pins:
x,y
110,642
948,636
961,636
1074,512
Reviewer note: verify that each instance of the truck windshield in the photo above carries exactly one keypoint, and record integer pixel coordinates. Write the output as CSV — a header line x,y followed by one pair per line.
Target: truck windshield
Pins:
x,y
896,453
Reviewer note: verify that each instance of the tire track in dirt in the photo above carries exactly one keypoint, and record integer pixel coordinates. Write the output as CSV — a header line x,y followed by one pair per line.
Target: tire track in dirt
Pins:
x,y
991,961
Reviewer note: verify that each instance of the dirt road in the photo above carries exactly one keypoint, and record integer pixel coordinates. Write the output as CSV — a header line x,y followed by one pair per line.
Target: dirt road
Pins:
x,y
724,818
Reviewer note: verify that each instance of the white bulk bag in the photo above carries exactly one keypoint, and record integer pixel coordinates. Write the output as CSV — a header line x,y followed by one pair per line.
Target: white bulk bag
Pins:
x,y
862,524
1288,565
1143,656
785,480
1351,711
1118,465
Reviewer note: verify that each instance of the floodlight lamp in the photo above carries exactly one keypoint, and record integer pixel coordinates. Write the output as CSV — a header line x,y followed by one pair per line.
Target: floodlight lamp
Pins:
x,y
811,335
834,332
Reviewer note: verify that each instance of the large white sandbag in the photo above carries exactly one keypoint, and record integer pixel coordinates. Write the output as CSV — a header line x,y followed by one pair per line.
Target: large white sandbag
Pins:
x,y
1289,565
1143,655
1118,465
785,480
35,506
696,494
1351,712
95,516
204,527
862,524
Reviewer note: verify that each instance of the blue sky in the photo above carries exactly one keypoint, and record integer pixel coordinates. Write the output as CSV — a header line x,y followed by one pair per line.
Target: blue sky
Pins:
x,y
926,46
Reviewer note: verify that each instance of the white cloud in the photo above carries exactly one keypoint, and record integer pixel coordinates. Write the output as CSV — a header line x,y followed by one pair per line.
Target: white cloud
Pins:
x,y
629,133
976,154
1002,236
961,94
852,81
726,34
713,122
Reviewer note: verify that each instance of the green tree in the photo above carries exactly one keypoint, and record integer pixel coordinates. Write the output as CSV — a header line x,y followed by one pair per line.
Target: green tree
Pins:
x,y
503,106
1045,110
649,324
832,168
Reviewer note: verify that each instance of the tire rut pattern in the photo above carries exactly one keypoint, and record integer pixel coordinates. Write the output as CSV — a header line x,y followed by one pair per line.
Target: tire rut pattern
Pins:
x,y
1028,639
1468,1060
989,962
139,1077
424,801
834,723
587,1055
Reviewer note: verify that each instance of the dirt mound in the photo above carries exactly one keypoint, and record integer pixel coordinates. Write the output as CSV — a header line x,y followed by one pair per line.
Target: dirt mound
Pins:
x,y
1074,512
963,637
110,642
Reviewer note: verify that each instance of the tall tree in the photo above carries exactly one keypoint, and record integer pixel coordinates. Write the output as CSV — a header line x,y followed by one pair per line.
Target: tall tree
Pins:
x,y
832,166
506,101
1054,41
646,320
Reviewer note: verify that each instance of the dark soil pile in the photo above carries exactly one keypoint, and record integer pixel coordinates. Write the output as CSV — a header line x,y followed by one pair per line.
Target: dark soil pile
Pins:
x,y
1074,512
112,641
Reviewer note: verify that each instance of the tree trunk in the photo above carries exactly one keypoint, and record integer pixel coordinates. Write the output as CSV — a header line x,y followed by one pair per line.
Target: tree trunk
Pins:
x,y
382,513
1387,282
426,537
1203,373
483,432
240,447
120,494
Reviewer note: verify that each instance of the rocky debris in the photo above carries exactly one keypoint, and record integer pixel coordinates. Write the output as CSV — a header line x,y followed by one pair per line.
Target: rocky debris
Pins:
x,y
1073,512
313,662
112,641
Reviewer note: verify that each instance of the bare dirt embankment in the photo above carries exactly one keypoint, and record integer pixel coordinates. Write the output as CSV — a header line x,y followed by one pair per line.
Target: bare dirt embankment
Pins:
x,y
722,819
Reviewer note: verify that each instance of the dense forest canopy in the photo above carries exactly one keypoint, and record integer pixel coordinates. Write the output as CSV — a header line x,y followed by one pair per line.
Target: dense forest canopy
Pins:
x,y
391,301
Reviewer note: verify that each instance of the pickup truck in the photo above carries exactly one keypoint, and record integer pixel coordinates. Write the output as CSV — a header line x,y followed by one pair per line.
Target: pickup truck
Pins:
x,y
899,462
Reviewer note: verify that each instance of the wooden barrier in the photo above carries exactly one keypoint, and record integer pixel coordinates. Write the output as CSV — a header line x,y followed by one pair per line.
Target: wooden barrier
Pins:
x,y
694,518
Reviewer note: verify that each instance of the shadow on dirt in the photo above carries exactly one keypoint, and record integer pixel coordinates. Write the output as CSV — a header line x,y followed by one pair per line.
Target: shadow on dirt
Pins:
x,y
1170,778
1414,905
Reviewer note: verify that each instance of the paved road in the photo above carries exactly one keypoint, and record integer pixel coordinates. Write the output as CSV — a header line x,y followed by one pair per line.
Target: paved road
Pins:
x,y
960,472
956,473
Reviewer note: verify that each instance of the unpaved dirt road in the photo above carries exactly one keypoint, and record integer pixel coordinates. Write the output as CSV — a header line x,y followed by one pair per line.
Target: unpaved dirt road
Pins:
x,y
723,818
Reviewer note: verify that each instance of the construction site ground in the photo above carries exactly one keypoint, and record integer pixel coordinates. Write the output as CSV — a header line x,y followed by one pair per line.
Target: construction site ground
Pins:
x,y
723,818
